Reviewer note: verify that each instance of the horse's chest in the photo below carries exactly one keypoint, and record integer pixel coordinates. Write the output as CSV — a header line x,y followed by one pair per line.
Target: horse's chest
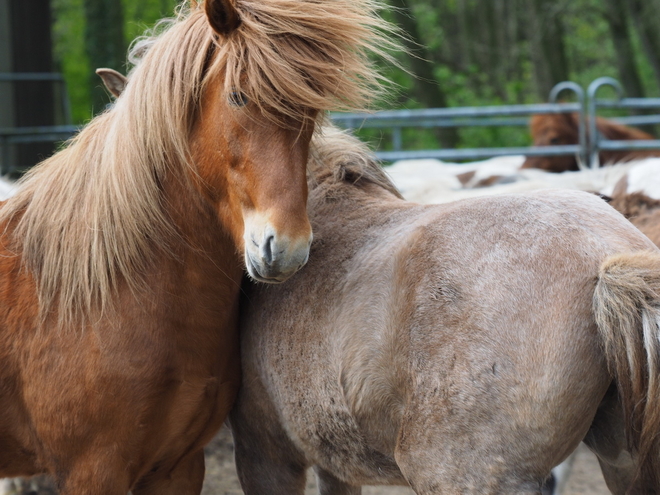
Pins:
x,y
200,408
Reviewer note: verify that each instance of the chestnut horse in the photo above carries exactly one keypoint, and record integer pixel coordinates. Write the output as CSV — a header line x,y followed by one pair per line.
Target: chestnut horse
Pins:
x,y
466,347
122,255
562,129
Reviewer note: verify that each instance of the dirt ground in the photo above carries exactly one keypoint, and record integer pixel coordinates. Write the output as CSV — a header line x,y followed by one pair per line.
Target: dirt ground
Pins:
x,y
221,479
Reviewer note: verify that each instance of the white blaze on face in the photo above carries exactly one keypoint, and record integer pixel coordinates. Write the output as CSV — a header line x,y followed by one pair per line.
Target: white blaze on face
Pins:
x,y
272,256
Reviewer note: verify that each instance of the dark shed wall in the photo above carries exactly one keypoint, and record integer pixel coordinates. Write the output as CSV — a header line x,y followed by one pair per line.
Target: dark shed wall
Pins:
x,y
31,51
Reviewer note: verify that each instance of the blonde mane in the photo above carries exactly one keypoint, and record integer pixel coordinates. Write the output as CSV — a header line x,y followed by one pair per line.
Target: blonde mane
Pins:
x,y
337,157
93,214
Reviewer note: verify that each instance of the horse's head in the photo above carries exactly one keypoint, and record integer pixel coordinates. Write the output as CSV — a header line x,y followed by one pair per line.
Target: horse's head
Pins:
x,y
252,160
264,187
552,130
234,88
254,171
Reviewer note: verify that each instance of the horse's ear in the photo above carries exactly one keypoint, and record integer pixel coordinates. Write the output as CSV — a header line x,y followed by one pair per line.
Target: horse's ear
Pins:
x,y
222,16
113,80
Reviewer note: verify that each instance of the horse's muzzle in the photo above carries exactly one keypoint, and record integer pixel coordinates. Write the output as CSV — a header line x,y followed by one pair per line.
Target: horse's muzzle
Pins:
x,y
272,258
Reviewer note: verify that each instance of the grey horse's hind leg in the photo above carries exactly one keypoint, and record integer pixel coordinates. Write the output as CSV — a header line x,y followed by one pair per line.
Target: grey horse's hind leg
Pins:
x,y
606,439
436,471
329,485
438,454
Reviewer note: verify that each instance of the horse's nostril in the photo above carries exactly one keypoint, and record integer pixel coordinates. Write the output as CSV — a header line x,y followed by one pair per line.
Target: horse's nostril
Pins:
x,y
268,249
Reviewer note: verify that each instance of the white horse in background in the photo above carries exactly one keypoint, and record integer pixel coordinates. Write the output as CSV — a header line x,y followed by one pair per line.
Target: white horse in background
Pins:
x,y
434,181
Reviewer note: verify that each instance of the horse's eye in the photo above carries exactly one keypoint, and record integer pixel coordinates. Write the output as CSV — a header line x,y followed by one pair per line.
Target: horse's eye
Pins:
x,y
554,140
238,99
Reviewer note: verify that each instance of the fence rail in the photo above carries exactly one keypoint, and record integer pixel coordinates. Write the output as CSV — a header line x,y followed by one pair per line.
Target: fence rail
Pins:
x,y
590,142
586,106
10,136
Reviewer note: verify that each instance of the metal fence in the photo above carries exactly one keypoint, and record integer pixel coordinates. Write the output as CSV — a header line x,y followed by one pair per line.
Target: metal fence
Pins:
x,y
10,136
590,142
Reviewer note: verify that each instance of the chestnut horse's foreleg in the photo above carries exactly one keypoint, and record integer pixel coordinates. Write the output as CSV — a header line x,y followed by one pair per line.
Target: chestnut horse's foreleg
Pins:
x,y
93,475
186,478
329,485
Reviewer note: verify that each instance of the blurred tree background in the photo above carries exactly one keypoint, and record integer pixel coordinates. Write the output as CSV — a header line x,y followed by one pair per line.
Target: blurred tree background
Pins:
x,y
464,53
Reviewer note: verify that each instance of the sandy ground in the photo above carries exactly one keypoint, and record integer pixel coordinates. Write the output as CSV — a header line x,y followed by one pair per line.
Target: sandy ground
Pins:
x,y
585,477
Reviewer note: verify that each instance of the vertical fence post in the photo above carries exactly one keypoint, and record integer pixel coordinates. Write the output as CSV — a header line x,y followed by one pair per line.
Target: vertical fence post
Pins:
x,y
594,138
583,155
4,156
397,140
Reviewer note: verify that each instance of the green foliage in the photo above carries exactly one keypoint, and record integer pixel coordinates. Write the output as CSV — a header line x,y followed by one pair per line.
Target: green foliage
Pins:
x,y
481,53
480,61
70,56
142,15
69,45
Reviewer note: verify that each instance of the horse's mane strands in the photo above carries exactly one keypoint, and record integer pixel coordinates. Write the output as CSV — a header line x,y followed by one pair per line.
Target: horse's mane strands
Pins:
x,y
93,214
337,157
314,53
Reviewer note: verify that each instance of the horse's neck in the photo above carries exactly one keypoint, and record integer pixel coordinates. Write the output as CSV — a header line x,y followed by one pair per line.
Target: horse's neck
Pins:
x,y
200,233
350,211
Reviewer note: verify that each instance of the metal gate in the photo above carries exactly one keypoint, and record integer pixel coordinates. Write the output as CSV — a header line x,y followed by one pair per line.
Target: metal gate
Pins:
x,y
590,142
12,136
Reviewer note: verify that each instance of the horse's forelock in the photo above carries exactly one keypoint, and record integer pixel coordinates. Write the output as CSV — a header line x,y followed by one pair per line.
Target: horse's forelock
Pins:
x,y
295,58
565,124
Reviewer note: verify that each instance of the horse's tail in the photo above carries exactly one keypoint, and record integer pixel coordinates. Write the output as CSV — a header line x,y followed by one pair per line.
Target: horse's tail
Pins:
x,y
627,312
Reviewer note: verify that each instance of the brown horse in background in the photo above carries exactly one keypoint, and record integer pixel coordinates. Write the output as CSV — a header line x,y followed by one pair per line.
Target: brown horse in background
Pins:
x,y
122,255
466,347
562,129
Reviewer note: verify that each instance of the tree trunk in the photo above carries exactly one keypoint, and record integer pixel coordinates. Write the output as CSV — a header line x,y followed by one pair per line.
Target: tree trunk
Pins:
x,y
616,16
548,53
645,16
427,90
104,42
